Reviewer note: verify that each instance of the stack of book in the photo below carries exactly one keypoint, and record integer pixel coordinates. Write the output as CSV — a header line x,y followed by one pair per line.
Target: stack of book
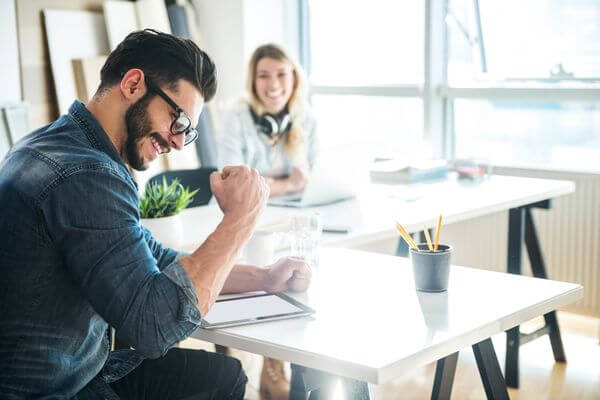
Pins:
x,y
399,171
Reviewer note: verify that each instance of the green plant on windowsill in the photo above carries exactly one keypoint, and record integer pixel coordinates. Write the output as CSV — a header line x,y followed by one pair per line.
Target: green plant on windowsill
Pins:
x,y
162,199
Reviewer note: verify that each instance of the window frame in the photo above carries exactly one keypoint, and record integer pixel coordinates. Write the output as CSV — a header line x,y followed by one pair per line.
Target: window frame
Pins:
x,y
437,95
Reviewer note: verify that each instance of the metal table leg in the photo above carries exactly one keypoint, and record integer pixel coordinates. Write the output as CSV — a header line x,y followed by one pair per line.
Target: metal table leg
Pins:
x,y
521,228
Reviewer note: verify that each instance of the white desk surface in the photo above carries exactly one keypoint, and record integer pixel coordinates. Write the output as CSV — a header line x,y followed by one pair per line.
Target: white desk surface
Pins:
x,y
371,215
372,325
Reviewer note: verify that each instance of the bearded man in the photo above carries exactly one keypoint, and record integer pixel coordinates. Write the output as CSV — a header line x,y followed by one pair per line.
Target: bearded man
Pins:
x,y
74,259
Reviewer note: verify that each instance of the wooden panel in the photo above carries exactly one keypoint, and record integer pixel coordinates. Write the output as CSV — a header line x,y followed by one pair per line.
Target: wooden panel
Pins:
x,y
153,14
36,76
9,62
121,19
90,40
87,76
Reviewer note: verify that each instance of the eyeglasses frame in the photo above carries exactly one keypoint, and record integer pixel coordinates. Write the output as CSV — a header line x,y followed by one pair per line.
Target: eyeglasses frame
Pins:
x,y
189,131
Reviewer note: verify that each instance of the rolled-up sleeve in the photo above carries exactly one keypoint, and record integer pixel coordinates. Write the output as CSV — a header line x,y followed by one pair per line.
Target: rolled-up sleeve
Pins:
x,y
136,285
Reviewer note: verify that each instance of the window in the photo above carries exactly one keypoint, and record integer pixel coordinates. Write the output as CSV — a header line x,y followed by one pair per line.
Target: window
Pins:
x,y
519,81
367,63
355,44
539,134
384,126
534,39
525,87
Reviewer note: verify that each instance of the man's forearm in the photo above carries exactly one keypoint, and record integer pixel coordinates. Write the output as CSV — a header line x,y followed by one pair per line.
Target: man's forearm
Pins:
x,y
245,278
209,266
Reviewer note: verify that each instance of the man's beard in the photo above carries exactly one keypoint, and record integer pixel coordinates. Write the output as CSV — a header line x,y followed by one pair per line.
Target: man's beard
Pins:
x,y
138,128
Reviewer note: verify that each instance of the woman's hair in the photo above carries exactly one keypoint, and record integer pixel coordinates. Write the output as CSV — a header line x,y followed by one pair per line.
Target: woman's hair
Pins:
x,y
296,103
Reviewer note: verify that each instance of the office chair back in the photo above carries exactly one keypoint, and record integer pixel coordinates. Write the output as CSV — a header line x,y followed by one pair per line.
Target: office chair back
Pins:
x,y
192,179
206,144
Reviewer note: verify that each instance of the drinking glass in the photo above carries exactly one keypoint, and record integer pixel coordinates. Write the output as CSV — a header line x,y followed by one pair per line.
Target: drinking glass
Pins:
x,y
305,235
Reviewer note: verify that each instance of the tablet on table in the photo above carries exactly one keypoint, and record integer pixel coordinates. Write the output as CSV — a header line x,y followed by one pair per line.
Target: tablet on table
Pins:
x,y
253,308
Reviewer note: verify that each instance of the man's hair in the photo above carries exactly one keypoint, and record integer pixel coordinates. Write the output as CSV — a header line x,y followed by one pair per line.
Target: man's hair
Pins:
x,y
164,58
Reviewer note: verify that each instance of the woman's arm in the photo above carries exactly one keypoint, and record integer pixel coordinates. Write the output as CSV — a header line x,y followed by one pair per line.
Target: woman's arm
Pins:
x,y
296,182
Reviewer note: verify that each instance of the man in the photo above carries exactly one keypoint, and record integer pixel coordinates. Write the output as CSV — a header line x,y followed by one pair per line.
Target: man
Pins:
x,y
74,259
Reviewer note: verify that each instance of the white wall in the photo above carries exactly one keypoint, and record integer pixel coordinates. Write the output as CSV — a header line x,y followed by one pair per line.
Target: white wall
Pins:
x,y
230,30
9,59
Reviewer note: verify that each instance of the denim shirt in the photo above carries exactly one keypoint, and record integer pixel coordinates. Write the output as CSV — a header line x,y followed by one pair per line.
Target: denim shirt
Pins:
x,y
75,260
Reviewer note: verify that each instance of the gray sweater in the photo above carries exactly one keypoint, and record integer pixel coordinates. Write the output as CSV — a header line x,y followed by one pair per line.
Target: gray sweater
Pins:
x,y
240,143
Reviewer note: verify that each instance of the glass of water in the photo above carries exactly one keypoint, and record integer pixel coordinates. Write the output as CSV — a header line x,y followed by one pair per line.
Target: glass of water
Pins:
x,y
305,234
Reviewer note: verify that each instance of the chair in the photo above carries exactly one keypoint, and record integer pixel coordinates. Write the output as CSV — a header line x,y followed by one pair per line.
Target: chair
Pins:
x,y
193,179
206,145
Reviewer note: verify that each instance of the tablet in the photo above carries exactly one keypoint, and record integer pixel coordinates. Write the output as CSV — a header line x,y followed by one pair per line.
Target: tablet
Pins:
x,y
253,308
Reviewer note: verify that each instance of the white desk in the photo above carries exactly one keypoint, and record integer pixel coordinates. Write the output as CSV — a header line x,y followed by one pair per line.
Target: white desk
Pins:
x,y
372,215
372,325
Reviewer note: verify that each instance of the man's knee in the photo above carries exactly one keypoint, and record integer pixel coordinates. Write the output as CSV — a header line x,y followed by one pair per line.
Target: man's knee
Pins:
x,y
234,378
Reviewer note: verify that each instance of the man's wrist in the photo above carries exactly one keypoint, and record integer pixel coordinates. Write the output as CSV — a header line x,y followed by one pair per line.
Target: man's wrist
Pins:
x,y
262,278
239,228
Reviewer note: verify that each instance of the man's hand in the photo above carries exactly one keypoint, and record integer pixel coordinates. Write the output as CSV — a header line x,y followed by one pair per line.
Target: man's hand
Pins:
x,y
288,273
240,191
297,180
242,195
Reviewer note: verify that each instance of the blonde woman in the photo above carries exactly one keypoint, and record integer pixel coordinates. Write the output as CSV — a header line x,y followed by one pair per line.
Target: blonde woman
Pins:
x,y
274,131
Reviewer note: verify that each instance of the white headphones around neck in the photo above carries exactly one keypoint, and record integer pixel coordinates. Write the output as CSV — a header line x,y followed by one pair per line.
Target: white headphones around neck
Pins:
x,y
272,125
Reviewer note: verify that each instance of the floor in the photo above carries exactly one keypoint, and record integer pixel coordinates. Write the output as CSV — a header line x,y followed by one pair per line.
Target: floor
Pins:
x,y
541,377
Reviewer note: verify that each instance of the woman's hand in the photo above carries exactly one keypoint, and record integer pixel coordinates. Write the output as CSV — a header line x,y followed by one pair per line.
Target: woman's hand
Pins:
x,y
297,180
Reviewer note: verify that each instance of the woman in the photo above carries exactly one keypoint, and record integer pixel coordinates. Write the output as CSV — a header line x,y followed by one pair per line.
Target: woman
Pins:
x,y
274,131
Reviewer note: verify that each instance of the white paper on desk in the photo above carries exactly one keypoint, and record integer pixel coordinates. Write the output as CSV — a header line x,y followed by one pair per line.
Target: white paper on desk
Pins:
x,y
249,308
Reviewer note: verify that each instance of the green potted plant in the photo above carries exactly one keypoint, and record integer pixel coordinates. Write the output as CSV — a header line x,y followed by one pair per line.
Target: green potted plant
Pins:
x,y
160,207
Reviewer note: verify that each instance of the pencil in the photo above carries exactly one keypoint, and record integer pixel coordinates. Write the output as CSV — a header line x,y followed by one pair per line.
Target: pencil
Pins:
x,y
437,233
406,236
428,238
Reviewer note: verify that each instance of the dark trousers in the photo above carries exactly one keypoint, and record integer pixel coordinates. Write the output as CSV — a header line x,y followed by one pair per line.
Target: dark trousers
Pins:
x,y
185,375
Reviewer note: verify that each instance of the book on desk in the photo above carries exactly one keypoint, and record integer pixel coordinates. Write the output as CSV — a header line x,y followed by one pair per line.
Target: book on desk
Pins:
x,y
400,171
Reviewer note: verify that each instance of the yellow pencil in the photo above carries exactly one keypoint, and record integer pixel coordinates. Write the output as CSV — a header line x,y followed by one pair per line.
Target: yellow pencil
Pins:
x,y
437,233
406,236
428,238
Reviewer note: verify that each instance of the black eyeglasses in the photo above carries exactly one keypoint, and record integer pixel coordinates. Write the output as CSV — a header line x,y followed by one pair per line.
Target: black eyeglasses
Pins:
x,y
182,124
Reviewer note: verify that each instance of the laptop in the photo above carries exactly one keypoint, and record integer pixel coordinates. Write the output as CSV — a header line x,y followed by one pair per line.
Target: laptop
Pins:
x,y
331,180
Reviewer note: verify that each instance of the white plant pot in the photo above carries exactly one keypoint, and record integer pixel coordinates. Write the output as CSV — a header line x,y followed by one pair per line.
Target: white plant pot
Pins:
x,y
166,230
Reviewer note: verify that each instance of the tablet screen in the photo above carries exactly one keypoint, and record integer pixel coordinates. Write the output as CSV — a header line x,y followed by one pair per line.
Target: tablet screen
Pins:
x,y
253,308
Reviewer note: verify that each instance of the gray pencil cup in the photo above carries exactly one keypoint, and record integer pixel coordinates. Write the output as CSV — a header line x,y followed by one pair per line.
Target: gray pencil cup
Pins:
x,y
431,269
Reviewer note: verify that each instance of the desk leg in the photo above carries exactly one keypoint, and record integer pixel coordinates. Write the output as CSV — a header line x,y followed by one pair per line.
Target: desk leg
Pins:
x,y
489,370
444,377
516,234
312,384
538,267
521,229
